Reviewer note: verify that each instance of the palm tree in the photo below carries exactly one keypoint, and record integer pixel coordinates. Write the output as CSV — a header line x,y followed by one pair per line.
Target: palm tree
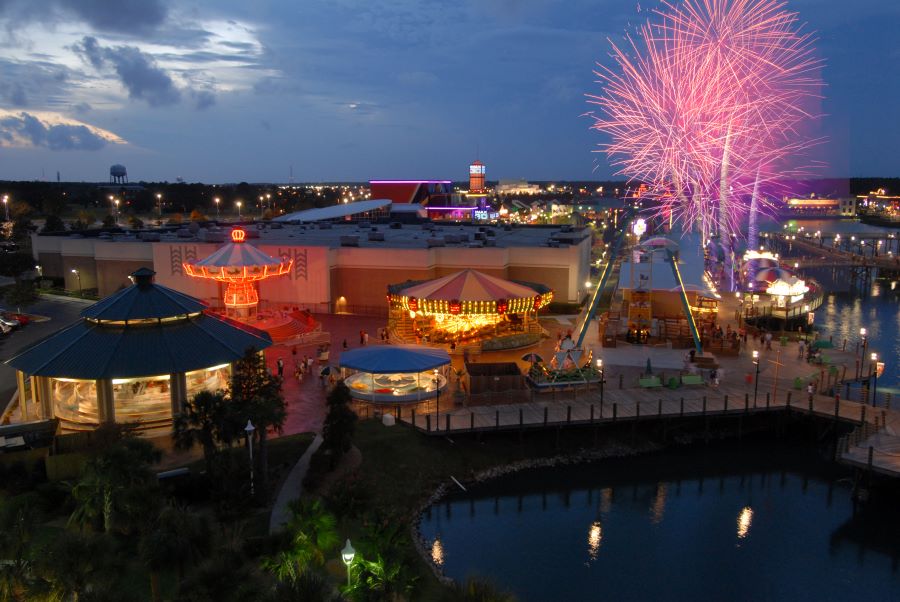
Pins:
x,y
308,586
256,394
208,419
176,539
313,535
73,564
116,481
16,531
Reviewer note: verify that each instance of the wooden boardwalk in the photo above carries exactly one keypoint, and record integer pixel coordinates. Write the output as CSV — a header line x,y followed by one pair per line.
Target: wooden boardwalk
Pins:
x,y
642,405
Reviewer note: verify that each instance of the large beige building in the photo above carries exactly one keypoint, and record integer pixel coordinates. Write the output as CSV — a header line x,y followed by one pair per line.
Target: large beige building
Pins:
x,y
337,267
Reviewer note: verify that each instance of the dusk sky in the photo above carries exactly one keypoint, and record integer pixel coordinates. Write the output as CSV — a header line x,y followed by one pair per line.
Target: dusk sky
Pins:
x,y
225,91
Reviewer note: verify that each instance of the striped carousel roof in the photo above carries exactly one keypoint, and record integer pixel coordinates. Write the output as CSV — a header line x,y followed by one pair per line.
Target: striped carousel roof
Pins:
x,y
469,285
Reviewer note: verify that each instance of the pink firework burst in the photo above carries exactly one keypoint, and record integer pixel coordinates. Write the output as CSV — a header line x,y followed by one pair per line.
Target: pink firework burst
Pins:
x,y
705,105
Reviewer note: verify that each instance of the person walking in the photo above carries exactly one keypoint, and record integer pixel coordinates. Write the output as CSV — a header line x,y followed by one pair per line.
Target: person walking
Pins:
x,y
280,368
801,349
810,389
768,341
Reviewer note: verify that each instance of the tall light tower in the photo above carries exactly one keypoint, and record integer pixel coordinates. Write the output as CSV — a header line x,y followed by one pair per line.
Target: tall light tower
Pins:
x,y
6,205
159,205
217,199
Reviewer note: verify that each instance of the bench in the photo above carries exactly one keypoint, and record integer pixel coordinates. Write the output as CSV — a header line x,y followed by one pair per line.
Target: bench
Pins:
x,y
692,379
650,382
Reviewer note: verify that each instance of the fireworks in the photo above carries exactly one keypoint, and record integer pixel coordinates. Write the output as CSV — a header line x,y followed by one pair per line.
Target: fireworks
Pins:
x,y
706,105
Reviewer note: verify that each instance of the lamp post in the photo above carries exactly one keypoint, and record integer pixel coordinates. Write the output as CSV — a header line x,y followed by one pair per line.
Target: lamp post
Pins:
x,y
239,203
159,206
6,205
116,201
874,369
217,199
755,380
602,380
347,555
249,430
437,407
78,276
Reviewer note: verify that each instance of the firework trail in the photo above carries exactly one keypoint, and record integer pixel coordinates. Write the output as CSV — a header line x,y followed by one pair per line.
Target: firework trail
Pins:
x,y
705,104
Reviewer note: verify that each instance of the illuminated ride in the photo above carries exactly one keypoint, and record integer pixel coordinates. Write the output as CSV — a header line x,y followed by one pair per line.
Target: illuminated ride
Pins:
x,y
391,374
240,266
464,307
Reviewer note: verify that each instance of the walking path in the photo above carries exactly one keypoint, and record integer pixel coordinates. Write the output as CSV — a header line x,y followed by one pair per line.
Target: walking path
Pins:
x,y
291,488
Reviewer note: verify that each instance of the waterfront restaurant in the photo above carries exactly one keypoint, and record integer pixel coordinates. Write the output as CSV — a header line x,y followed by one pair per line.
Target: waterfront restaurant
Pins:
x,y
133,357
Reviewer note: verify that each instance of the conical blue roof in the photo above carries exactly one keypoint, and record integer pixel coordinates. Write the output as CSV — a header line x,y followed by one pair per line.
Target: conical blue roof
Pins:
x,y
143,300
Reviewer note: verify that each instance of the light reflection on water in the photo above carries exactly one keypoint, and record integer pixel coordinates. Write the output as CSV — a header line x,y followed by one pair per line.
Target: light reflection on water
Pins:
x,y
737,521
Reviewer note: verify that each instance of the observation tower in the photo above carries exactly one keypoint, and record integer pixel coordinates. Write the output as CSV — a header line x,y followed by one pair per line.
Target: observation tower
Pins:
x,y
240,266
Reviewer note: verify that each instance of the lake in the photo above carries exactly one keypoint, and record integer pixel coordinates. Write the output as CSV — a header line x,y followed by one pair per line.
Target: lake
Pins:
x,y
761,522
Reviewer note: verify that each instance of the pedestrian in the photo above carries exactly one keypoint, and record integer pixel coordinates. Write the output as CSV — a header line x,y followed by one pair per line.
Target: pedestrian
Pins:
x,y
801,348
345,344
768,341
810,389
309,363
280,367
362,337
365,337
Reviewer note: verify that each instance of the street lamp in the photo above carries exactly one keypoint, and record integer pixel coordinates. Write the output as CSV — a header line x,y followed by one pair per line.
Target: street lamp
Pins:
x,y
78,276
6,205
239,203
347,555
602,380
755,380
159,205
249,430
217,199
874,368
437,407
116,201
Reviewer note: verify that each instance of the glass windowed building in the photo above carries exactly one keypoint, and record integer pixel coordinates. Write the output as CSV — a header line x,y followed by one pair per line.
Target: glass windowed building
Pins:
x,y
133,357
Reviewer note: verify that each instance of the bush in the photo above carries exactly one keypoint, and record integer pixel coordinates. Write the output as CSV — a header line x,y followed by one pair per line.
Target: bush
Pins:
x,y
559,307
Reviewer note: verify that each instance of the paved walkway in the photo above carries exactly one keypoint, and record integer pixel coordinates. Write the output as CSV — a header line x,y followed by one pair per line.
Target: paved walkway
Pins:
x,y
291,488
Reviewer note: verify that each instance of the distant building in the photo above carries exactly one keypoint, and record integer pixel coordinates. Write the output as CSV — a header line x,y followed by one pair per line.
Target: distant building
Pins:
x,y
476,177
517,187
422,192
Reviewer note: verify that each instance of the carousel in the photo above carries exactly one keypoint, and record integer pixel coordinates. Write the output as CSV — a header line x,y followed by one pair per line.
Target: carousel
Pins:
x,y
390,374
465,307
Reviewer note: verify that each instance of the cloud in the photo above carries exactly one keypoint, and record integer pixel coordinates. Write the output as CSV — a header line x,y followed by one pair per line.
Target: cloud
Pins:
x,y
203,99
121,16
51,131
137,71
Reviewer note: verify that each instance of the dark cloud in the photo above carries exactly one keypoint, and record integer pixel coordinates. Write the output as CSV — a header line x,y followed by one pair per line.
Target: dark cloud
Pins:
x,y
31,83
118,16
27,127
203,99
137,71
82,107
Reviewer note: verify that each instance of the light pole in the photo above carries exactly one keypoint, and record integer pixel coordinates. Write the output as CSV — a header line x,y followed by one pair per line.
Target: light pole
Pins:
x,y
239,203
437,407
602,380
755,380
6,205
78,276
874,378
862,355
347,555
159,206
249,430
116,201
217,207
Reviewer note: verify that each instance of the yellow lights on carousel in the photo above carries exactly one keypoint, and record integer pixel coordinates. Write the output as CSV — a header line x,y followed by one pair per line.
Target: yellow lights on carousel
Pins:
x,y
744,521
437,552
595,538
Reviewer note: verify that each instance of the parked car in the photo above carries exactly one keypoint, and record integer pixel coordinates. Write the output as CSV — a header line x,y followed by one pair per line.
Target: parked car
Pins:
x,y
22,319
8,322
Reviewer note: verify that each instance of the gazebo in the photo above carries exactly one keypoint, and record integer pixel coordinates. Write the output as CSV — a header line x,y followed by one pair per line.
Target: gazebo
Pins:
x,y
463,307
392,374
134,357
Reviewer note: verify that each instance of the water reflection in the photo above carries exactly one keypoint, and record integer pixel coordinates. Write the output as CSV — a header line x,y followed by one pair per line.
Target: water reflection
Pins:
x,y
595,537
437,552
745,519
659,503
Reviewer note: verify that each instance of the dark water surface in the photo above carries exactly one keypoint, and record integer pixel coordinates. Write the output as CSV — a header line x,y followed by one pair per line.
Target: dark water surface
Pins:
x,y
760,522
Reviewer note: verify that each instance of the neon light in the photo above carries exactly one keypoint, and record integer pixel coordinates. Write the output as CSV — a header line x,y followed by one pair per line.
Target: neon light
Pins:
x,y
238,235
410,181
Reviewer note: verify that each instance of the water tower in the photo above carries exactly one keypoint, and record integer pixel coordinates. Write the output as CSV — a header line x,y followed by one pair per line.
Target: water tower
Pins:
x,y
118,174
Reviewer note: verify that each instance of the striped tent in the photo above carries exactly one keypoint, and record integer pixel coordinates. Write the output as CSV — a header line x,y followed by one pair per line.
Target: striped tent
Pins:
x,y
469,285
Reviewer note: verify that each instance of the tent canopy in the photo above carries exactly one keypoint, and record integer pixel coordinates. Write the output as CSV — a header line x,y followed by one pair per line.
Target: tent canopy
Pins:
x,y
384,359
469,285
238,255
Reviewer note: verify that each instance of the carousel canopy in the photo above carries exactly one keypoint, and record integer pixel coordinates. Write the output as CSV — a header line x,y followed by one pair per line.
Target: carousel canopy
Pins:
x,y
238,255
770,275
383,359
469,285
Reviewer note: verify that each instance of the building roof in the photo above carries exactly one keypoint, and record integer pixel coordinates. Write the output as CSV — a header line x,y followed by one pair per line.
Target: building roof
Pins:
x,y
141,302
338,211
87,350
469,285
381,359
91,349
